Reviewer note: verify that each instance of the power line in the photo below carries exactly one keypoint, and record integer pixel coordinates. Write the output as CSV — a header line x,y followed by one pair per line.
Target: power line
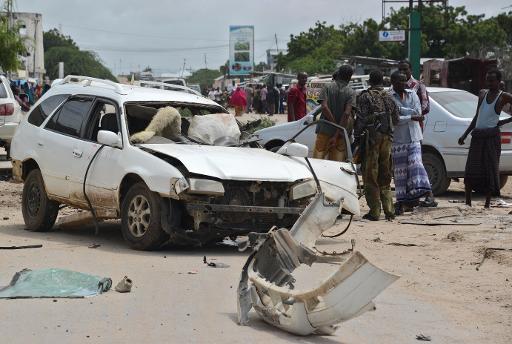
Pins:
x,y
167,37
152,50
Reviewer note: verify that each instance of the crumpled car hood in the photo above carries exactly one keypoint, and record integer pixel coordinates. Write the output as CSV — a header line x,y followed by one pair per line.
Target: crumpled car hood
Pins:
x,y
235,163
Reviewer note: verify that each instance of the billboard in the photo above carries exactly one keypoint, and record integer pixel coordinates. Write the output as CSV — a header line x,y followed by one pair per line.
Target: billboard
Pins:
x,y
241,49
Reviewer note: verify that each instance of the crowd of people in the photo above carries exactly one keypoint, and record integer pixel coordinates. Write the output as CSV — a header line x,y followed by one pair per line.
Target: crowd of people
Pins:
x,y
387,126
28,92
257,98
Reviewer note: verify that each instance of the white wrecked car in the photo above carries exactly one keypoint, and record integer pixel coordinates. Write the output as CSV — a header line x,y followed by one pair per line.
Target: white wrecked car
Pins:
x,y
160,160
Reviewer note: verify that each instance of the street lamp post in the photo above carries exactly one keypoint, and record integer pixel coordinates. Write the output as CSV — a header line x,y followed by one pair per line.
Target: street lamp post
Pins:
x,y
415,38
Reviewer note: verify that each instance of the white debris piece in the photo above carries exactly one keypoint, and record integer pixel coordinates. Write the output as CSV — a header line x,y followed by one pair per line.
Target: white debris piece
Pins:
x,y
210,128
267,283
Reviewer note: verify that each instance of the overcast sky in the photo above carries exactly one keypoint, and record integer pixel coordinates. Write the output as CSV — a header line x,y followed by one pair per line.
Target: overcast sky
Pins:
x,y
132,34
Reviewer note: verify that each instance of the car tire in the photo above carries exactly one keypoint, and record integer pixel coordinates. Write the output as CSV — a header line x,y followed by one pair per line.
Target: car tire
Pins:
x,y
141,219
436,173
39,212
503,181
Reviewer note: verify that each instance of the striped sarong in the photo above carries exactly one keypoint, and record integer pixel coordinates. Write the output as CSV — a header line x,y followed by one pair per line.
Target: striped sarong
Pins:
x,y
411,179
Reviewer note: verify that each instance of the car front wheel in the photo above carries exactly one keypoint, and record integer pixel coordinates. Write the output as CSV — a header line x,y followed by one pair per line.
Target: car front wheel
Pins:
x,y
141,219
436,173
39,212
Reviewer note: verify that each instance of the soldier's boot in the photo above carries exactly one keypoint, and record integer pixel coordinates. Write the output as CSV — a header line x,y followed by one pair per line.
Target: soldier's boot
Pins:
x,y
373,201
386,197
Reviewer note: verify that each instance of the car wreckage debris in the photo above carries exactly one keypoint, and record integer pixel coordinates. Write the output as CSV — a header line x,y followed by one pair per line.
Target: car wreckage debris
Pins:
x,y
211,264
20,247
124,285
267,283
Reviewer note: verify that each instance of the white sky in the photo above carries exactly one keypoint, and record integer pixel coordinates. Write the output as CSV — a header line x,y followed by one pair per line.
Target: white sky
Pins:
x,y
131,34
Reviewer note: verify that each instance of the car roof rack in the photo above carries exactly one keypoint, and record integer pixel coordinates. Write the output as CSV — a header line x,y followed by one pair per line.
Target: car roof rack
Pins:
x,y
172,87
88,80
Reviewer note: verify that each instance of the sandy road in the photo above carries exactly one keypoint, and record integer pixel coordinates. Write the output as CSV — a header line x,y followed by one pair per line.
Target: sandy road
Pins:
x,y
440,293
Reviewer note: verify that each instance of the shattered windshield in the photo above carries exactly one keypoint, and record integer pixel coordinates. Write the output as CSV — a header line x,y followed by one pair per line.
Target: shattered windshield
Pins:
x,y
160,123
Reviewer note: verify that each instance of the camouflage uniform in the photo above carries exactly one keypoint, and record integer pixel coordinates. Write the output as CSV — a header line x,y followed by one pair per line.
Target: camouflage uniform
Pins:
x,y
375,135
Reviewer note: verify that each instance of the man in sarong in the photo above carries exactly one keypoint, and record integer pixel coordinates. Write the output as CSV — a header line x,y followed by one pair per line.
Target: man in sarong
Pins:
x,y
482,172
411,179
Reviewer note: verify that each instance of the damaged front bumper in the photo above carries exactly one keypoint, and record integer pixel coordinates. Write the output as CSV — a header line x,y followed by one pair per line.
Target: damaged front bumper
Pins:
x,y
267,282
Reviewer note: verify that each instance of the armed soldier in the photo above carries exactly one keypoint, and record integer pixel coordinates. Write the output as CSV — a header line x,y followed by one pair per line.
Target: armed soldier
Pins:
x,y
377,112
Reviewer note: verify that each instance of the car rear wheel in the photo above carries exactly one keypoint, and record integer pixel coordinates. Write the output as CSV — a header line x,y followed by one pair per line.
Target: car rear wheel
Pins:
x,y
39,212
141,218
436,173
503,181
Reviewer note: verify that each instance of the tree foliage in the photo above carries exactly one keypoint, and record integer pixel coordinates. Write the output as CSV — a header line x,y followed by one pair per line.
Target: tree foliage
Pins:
x,y
446,32
11,46
60,48
204,77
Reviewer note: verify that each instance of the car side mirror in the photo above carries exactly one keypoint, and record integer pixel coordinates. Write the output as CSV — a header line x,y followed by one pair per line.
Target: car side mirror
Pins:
x,y
109,138
294,149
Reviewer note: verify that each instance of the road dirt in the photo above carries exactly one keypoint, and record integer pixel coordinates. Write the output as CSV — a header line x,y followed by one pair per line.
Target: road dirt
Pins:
x,y
176,298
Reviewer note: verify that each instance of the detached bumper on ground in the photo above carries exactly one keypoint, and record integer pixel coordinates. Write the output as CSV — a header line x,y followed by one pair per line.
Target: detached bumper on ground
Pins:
x,y
267,282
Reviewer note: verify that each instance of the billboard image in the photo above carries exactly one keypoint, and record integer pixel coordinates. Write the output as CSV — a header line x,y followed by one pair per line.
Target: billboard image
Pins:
x,y
241,49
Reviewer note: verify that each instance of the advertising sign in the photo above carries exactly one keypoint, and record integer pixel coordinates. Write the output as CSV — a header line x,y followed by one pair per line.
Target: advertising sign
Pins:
x,y
241,49
392,36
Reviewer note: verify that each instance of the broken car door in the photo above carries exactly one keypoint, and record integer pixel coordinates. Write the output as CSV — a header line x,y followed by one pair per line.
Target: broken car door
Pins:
x,y
58,145
105,171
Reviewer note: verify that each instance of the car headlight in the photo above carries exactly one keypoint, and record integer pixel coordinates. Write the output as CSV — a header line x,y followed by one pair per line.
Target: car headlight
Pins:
x,y
205,187
178,185
303,189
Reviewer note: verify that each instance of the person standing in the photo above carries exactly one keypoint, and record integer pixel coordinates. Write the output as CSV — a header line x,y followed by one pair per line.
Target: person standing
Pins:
x,y
373,130
263,98
336,99
282,99
211,94
417,86
256,102
411,179
248,96
272,98
297,98
238,101
482,172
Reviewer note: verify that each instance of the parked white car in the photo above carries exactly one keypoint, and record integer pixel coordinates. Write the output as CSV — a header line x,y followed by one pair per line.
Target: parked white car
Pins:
x,y
76,147
10,113
451,111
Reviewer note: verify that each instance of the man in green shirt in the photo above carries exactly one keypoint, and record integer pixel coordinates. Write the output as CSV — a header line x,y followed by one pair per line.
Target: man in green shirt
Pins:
x,y
337,99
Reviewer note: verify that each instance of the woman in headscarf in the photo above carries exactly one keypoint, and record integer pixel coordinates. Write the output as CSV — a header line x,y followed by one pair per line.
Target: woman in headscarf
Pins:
x,y
238,101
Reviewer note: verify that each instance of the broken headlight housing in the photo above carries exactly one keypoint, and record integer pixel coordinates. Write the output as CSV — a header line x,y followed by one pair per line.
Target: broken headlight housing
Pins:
x,y
303,189
205,187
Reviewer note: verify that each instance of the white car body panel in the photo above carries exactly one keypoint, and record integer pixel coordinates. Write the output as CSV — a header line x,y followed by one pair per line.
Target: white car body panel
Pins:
x,y
235,163
8,124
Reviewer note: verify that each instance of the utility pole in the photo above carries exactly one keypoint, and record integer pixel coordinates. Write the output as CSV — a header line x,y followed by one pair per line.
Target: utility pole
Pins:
x,y
277,47
183,70
9,5
205,62
415,37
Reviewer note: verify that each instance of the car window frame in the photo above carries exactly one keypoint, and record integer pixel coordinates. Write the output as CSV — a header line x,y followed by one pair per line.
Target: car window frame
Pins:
x,y
57,112
43,123
86,130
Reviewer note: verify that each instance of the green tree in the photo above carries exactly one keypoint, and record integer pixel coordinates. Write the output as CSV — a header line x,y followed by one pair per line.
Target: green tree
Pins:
x,y
11,46
60,48
446,32
204,77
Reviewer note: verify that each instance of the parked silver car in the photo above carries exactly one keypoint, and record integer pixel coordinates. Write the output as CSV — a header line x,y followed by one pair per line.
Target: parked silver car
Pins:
x,y
10,113
451,111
